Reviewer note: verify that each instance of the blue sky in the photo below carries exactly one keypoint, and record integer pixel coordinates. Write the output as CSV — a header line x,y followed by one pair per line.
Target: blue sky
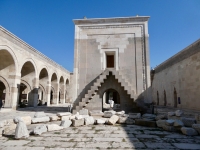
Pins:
x,y
47,24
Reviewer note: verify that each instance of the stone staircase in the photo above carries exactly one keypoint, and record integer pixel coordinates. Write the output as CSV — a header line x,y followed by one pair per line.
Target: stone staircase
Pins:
x,y
84,101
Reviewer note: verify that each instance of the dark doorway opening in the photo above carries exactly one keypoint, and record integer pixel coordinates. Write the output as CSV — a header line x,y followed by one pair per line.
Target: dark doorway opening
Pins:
x,y
157,98
165,98
110,61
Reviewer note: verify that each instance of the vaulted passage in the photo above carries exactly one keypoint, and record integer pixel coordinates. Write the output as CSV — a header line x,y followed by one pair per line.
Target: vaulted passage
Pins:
x,y
2,92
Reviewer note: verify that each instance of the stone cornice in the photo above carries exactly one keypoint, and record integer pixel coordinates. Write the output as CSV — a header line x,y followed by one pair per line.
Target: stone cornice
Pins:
x,y
183,54
110,26
111,20
33,50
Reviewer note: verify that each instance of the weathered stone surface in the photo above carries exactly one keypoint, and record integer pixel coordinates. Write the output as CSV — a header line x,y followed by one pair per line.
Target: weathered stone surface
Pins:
x,y
196,127
149,116
130,121
21,129
160,123
26,119
122,120
1,131
38,120
81,116
72,117
54,127
161,117
78,122
64,114
39,114
113,120
134,115
54,118
108,114
178,113
89,120
66,123
65,118
171,113
197,117
188,122
178,123
38,130
2,123
83,112
146,123
120,113
100,121
169,128
169,122
189,131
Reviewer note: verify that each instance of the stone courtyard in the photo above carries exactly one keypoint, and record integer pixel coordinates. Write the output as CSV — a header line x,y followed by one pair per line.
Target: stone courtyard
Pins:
x,y
116,136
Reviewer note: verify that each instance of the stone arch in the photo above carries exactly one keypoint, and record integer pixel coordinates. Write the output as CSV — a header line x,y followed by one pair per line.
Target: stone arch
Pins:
x,y
55,85
67,81
165,98
175,98
29,74
13,55
157,98
30,60
5,91
110,94
43,84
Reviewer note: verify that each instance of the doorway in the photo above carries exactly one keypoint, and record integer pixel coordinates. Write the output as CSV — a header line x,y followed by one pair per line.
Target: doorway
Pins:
x,y
110,61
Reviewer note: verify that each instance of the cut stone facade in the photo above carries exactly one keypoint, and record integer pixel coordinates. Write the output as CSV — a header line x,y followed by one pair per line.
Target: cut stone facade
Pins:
x,y
175,82
118,44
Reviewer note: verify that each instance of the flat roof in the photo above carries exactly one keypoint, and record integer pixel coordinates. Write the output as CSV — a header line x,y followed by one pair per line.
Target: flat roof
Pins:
x,y
111,20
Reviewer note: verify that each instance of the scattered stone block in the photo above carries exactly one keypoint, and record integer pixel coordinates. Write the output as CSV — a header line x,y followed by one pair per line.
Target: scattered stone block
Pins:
x,y
54,118
65,118
66,123
72,117
169,122
171,113
77,117
113,120
96,113
89,120
9,126
174,117
40,114
1,131
160,123
189,131
83,112
178,123
161,117
108,114
196,127
134,115
54,127
178,113
26,119
146,123
149,116
63,114
79,122
100,121
188,122
169,128
120,113
122,120
130,121
38,130
38,120
21,129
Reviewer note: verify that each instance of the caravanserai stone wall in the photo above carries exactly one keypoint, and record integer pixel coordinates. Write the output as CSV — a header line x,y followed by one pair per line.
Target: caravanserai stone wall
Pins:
x,y
176,82
27,74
